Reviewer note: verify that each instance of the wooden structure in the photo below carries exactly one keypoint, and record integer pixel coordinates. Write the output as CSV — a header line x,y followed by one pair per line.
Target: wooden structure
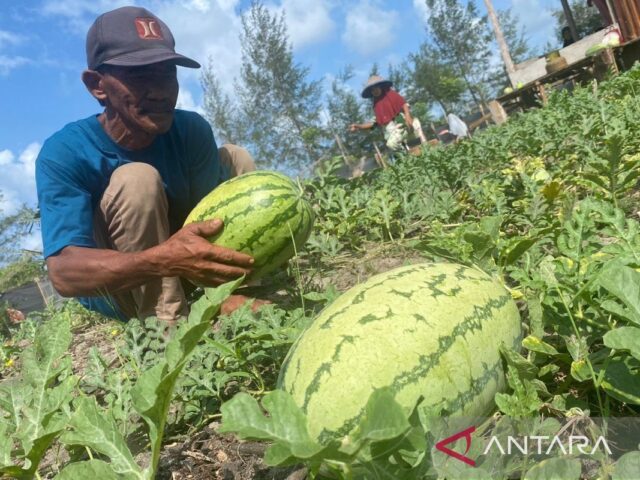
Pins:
x,y
627,14
535,93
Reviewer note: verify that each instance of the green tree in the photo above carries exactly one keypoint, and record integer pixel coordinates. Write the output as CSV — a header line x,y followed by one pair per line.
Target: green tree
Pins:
x,y
277,110
12,229
434,80
515,37
221,111
462,38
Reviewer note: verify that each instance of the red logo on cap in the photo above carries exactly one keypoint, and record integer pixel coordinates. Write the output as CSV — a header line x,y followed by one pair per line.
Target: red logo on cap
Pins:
x,y
148,29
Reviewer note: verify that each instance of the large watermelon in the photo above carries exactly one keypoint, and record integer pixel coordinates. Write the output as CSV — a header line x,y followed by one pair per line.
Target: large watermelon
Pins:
x,y
429,330
263,213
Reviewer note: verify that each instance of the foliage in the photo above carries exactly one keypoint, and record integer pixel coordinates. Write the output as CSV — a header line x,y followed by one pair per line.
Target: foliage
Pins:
x,y
468,54
546,203
277,114
21,271
12,228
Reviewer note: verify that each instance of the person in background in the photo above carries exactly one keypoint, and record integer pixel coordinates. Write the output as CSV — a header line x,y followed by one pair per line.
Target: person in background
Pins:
x,y
567,38
392,113
114,189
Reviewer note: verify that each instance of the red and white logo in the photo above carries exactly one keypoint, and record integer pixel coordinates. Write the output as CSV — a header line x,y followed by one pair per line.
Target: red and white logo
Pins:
x,y
148,28
466,434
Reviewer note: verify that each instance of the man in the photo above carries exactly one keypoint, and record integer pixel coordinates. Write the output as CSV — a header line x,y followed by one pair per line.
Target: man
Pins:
x,y
391,110
114,189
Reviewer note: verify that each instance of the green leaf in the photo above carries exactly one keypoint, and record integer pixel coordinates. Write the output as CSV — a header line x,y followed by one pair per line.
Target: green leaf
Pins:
x,y
524,399
525,369
580,370
536,345
621,381
151,395
286,425
627,467
624,338
624,283
519,249
91,469
555,469
93,428
536,317
383,418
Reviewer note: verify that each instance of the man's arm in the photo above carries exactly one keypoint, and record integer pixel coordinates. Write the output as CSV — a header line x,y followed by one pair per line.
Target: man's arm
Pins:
x,y
81,271
407,116
361,126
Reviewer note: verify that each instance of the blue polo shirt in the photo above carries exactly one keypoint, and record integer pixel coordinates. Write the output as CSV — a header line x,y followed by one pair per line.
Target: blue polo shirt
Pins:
x,y
75,164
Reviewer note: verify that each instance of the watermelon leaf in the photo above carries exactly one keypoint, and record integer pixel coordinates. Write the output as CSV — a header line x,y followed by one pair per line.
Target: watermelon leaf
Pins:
x,y
286,425
89,469
624,283
555,469
627,467
624,338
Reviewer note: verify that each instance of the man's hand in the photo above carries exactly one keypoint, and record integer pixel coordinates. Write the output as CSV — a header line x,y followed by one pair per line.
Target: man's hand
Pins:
x,y
190,255
409,122
353,127
236,301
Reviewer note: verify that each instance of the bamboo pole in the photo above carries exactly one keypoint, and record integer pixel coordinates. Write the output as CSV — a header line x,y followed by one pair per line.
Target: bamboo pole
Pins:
x,y
502,44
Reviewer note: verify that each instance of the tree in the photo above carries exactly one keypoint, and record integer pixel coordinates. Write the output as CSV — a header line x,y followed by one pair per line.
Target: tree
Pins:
x,y
276,113
462,38
515,37
434,80
221,111
12,229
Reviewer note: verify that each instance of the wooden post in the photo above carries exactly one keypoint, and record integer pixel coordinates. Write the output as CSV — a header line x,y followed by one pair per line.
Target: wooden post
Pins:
x,y
498,114
502,44
379,157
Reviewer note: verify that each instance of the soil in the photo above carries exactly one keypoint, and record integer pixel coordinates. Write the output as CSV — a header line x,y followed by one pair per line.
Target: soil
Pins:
x,y
344,272
208,454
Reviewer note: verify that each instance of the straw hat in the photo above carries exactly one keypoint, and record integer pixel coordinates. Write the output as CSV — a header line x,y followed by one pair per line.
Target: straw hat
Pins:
x,y
374,81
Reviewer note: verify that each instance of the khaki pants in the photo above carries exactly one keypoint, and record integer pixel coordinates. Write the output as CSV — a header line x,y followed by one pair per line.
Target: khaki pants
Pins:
x,y
133,215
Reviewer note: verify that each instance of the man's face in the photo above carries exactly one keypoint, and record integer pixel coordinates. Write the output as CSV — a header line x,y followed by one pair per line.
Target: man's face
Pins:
x,y
376,92
143,97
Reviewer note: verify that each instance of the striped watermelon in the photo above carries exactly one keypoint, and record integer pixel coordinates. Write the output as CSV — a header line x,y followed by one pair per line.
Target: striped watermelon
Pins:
x,y
263,213
429,330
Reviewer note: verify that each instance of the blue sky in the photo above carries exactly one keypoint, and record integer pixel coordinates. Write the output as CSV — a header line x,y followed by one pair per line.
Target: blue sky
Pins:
x,y
42,56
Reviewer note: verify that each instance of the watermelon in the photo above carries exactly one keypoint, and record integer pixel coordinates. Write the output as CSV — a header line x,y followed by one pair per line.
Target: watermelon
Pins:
x,y
264,214
430,330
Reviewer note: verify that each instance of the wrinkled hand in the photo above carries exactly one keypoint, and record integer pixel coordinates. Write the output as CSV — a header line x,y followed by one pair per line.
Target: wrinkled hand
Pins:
x,y
190,255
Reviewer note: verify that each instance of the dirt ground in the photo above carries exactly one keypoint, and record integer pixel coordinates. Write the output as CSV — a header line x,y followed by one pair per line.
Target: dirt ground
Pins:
x,y
208,454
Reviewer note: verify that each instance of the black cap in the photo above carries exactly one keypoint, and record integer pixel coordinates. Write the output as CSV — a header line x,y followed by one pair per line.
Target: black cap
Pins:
x,y
132,36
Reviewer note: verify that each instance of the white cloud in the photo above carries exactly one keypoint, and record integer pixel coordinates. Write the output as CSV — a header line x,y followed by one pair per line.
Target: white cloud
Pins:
x,y
10,38
8,63
365,32
308,22
423,11
186,101
18,183
203,35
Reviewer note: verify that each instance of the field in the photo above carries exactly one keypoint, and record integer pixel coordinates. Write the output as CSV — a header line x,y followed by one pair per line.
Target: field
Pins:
x,y
546,203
